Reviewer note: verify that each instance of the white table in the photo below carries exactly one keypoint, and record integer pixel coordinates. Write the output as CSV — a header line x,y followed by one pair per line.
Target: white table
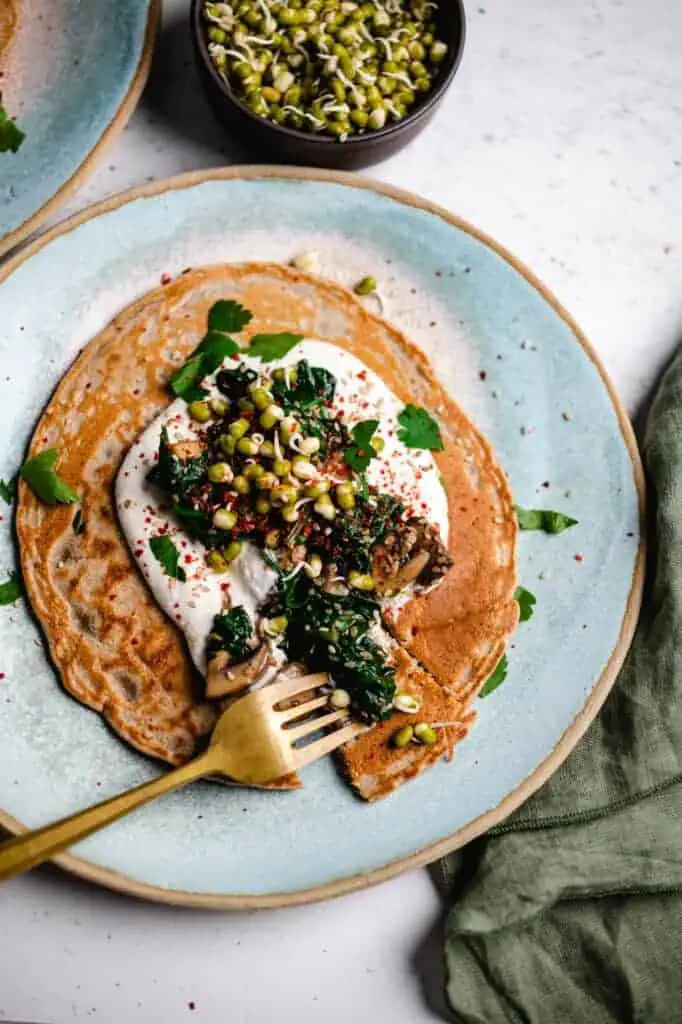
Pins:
x,y
562,137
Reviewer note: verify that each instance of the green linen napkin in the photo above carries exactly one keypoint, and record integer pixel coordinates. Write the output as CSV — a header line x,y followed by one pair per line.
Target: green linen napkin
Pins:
x,y
570,912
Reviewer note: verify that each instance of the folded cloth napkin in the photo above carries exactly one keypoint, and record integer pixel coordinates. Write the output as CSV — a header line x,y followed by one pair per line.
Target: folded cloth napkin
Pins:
x,y
570,912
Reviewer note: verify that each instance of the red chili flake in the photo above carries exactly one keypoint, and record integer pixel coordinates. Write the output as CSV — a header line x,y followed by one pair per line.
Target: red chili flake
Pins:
x,y
579,557
147,519
224,587
134,641
156,456
482,375
2,675
235,356
188,559
362,375
166,279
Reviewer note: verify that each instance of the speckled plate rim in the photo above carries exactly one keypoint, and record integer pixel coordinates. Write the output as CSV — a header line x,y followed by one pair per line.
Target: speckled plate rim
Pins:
x,y
570,737
115,125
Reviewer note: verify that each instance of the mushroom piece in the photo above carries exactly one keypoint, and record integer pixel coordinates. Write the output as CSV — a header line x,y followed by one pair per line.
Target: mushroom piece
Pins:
x,y
413,553
224,679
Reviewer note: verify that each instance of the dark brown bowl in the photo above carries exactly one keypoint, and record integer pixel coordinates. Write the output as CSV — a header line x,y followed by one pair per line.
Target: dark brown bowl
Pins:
x,y
277,144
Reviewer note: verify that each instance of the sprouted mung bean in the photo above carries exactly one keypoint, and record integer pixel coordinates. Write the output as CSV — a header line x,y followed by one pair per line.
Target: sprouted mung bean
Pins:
x,y
332,67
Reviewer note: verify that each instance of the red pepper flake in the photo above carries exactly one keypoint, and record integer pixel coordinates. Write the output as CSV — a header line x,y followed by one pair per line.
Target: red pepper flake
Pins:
x,y
2,676
134,641
188,559
166,279
579,557
362,375
235,356
482,374
224,587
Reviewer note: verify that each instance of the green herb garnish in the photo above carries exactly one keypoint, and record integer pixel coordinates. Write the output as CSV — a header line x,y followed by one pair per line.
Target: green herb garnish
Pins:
x,y
419,429
11,590
526,602
497,678
228,316
11,136
168,557
361,453
543,519
231,633
41,476
216,346
8,490
268,347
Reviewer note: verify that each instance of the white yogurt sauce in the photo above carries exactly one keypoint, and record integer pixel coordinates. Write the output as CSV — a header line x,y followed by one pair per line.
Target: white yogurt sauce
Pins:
x,y
407,473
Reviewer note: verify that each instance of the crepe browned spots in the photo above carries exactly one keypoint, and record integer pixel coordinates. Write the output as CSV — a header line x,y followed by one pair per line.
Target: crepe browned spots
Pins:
x,y
8,21
116,651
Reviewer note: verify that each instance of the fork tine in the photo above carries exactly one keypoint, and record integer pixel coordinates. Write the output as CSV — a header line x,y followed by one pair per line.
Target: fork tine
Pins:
x,y
312,725
299,684
320,748
302,709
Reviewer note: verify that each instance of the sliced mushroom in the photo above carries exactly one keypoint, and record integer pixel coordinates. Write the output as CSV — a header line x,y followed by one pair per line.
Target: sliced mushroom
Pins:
x,y
185,450
412,553
224,679
409,572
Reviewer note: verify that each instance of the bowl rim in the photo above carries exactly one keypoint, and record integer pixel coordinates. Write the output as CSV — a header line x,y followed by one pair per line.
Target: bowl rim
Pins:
x,y
421,110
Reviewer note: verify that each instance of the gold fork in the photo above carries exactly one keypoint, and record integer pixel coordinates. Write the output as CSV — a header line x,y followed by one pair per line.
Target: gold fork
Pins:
x,y
253,742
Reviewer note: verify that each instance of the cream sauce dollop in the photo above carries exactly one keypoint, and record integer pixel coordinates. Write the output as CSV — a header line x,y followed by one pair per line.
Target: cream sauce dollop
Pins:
x,y
409,474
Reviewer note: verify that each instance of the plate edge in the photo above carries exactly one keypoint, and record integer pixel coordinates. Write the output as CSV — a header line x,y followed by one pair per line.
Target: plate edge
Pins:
x,y
115,125
111,879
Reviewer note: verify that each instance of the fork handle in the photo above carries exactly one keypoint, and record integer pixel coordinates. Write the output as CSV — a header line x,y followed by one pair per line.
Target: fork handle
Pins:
x,y
31,848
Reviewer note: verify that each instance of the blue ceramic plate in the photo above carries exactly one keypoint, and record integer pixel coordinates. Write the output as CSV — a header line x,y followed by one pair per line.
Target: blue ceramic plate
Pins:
x,y
71,76
516,363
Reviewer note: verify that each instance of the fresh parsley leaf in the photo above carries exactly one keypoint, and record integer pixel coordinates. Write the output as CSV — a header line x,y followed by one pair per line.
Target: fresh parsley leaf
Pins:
x,y
361,453
419,429
273,346
215,347
78,523
11,136
168,557
543,519
8,490
231,633
228,316
186,376
41,476
497,677
11,590
526,602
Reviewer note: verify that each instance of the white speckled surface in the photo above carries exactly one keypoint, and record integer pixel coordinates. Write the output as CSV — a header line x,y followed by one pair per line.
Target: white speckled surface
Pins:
x,y
562,138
